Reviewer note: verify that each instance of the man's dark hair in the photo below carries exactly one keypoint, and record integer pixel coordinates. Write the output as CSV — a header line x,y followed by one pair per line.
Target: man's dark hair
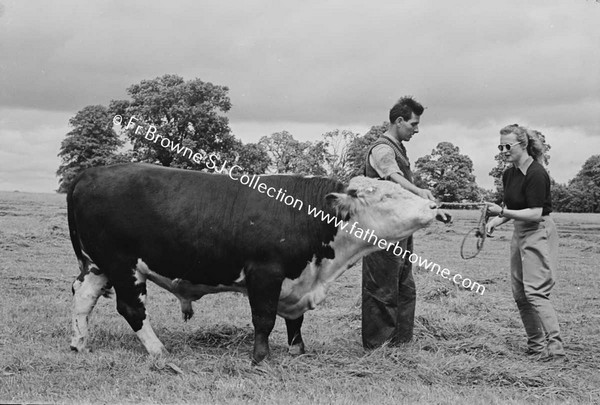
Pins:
x,y
404,108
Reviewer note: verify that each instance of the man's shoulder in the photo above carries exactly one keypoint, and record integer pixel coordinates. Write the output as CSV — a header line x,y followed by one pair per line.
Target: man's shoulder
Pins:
x,y
381,143
382,139
387,141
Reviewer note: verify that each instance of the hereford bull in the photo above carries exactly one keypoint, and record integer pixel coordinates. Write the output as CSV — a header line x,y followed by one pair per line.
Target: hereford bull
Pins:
x,y
196,233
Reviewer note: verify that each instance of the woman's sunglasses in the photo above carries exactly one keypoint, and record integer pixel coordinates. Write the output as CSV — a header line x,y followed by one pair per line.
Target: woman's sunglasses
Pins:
x,y
507,146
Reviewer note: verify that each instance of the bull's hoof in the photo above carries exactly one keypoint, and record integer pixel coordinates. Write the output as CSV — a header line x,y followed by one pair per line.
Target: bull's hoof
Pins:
x,y
296,349
257,358
79,347
157,352
255,363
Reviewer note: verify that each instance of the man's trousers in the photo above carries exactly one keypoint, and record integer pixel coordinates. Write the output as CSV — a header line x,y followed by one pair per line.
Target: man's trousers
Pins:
x,y
388,297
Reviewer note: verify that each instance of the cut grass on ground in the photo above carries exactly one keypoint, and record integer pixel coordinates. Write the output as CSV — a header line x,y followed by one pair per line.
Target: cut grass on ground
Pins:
x,y
468,348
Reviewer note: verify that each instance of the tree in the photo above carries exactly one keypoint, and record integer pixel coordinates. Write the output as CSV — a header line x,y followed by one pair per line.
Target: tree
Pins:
x,y
584,188
282,149
288,155
502,165
188,113
487,194
357,151
312,159
252,158
91,143
561,196
338,144
447,173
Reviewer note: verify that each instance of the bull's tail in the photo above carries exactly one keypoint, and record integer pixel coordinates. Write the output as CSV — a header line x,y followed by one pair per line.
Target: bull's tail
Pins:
x,y
75,241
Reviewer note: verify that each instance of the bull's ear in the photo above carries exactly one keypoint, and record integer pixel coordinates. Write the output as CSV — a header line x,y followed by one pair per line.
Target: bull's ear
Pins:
x,y
342,203
333,199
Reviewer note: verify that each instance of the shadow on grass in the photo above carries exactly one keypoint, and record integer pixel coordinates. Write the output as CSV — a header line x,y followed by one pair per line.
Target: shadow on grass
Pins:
x,y
217,337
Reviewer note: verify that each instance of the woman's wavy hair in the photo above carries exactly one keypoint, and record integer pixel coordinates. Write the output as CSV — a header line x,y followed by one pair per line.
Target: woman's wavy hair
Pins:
x,y
533,139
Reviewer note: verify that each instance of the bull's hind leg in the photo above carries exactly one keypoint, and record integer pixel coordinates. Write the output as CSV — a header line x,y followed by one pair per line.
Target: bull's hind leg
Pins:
x,y
293,327
264,287
87,288
131,304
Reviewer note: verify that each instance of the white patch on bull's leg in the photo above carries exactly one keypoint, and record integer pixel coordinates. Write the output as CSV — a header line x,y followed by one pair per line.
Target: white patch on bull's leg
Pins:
x,y
146,334
140,272
85,296
149,339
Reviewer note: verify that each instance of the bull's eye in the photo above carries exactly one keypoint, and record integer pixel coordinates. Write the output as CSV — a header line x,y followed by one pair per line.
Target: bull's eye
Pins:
x,y
353,193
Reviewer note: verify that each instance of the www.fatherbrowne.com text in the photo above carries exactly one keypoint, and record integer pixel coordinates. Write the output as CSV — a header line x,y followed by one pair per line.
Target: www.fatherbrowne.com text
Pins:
x,y
212,161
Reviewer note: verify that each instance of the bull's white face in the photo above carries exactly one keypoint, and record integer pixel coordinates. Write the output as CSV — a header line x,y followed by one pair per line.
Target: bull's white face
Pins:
x,y
390,211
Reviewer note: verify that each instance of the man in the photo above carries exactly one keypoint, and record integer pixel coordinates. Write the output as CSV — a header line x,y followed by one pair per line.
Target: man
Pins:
x,y
388,292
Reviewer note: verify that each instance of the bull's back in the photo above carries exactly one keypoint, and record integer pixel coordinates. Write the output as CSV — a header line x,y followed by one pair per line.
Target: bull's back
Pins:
x,y
198,226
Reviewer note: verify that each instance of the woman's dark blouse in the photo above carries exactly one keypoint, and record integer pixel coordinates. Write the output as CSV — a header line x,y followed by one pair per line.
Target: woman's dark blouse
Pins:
x,y
531,190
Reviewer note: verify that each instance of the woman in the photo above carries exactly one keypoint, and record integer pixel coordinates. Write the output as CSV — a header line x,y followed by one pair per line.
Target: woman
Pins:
x,y
534,245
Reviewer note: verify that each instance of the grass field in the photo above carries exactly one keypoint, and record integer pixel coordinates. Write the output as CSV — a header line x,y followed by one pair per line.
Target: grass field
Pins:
x,y
467,347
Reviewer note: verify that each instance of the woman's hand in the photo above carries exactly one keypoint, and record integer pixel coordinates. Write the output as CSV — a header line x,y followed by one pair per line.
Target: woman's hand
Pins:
x,y
492,224
493,209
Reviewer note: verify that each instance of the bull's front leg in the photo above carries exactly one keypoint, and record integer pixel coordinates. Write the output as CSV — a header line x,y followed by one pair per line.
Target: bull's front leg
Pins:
x,y
264,286
293,327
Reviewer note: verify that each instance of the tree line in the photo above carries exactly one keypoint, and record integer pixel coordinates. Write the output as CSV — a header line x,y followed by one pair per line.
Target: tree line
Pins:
x,y
193,114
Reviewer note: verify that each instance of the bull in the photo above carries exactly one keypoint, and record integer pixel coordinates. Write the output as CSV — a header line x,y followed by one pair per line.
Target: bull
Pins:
x,y
196,233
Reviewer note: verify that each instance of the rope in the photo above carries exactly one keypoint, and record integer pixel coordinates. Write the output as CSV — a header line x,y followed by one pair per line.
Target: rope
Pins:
x,y
451,204
480,233
479,230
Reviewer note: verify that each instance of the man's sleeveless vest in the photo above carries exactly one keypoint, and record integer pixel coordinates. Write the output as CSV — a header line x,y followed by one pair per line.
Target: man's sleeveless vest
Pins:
x,y
401,159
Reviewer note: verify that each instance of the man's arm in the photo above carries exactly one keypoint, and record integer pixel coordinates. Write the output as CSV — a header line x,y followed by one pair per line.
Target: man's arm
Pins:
x,y
421,192
383,160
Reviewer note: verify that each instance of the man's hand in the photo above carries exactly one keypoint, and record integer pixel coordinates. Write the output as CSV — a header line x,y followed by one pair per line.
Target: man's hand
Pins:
x,y
426,194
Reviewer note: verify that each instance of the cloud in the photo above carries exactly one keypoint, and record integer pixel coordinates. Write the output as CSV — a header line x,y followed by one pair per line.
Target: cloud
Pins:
x,y
310,61
29,144
312,64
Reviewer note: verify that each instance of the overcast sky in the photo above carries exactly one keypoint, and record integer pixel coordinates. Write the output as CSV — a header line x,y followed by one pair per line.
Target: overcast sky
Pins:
x,y
309,67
